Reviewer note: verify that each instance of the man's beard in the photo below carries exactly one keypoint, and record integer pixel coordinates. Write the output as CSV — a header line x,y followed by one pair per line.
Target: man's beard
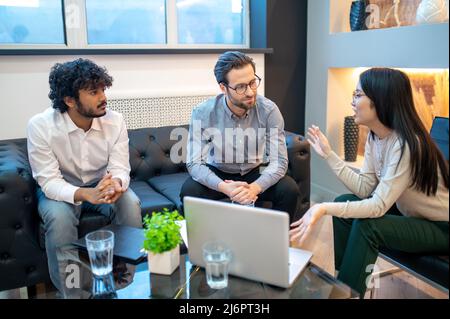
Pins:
x,y
87,113
241,105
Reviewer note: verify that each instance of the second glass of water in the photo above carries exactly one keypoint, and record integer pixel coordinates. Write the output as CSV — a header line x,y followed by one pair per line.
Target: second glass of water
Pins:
x,y
217,257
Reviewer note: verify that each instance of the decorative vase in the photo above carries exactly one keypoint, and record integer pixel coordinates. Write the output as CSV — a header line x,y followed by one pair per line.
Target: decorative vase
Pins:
x,y
164,263
351,138
358,15
432,11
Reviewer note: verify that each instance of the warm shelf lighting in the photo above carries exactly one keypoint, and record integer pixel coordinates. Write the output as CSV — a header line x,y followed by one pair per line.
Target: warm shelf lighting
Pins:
x,y
358,71
423,71
430,90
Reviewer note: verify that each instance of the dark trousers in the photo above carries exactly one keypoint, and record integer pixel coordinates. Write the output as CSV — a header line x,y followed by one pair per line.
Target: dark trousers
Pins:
x,y
283,194
357,241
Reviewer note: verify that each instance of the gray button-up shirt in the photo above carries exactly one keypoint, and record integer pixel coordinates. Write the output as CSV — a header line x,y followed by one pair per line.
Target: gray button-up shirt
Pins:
x,y
236,145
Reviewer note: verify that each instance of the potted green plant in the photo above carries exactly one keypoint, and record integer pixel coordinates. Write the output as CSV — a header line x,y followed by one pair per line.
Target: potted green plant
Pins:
x,y
162,239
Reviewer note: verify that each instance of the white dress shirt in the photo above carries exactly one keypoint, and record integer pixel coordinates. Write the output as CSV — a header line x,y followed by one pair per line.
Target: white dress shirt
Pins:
x,y
63,157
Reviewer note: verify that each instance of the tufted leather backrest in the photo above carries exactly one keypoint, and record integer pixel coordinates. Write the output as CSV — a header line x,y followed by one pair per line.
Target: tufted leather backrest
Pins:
x,y
299,169
150,152
22,262
150,155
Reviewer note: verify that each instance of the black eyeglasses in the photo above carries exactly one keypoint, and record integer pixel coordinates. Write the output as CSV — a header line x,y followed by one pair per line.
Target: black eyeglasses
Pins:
x,y
242,88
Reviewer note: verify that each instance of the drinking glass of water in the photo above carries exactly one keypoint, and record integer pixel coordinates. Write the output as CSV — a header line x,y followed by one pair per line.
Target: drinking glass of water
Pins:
x,y
100,246
217,257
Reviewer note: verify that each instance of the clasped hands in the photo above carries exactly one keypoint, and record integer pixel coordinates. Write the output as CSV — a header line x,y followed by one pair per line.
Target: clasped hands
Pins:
x,y
107,191
240,192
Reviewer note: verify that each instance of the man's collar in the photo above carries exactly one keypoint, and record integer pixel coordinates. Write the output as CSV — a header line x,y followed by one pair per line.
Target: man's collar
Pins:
x,y
72,127
96,124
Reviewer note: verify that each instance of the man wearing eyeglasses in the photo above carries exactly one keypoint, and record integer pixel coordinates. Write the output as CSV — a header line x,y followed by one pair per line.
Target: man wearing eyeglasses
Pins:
x,y
231,139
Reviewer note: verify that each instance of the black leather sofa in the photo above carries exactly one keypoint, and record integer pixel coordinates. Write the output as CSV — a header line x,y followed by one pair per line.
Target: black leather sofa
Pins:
x,y
154,178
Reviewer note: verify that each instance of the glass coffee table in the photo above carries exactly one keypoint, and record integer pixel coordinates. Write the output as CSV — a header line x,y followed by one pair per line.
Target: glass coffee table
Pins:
x,y
187,282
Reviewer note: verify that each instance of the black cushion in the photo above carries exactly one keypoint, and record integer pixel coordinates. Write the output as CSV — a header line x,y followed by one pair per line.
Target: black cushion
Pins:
x,y
22,261
439,133
432,267
151,200
170,186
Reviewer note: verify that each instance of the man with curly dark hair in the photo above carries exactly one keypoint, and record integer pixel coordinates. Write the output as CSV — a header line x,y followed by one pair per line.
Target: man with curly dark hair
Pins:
x,y
78,152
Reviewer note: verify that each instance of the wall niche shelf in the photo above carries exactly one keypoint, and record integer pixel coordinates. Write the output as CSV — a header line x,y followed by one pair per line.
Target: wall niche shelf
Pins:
x,y
386,14
337,56
430,90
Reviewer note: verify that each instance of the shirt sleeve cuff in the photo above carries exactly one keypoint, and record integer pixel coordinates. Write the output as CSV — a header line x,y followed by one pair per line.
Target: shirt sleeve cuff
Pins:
x,y
263,182
67,194
214,182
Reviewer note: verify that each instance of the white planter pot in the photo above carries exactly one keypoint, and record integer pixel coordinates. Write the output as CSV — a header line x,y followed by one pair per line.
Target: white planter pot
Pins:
x,y
165,263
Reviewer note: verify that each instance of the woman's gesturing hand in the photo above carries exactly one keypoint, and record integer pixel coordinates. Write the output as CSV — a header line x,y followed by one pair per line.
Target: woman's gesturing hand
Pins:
x,y
318,141
303,227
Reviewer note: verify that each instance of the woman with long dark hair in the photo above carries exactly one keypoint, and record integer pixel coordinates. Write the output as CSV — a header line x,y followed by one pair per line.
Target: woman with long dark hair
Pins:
x,y
400,196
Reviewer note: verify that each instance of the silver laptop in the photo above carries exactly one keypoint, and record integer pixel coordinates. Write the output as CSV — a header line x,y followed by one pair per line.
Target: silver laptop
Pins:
x,y
257,237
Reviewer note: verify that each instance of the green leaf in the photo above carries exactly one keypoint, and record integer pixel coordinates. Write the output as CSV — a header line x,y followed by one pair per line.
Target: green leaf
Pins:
x,y
161,232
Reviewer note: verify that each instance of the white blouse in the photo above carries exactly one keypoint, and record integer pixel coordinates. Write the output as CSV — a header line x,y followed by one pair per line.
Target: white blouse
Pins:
x,y
387,183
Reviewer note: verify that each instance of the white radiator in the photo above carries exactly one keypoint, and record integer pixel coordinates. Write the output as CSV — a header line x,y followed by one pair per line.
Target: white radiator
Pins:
x,y
156,111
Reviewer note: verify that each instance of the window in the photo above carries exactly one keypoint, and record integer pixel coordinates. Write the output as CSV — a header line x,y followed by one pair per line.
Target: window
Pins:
x,y
126,21
31,22
210,22
85,24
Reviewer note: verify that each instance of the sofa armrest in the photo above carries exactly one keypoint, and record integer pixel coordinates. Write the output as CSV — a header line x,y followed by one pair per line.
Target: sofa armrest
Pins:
x,y
299,169
22,260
